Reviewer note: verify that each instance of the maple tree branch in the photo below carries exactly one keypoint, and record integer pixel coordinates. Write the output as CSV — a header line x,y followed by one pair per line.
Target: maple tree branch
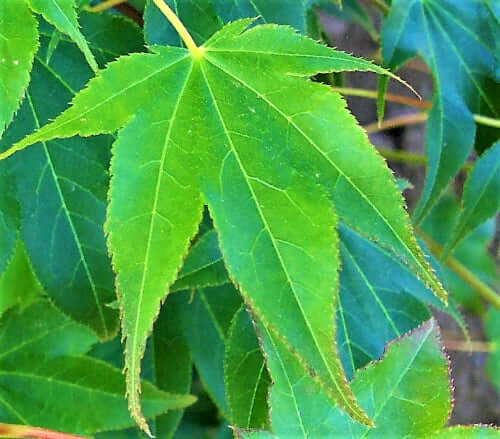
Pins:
x,y
407,119
468,346
179,27
26,431
425,105
104,5
397,156
463,272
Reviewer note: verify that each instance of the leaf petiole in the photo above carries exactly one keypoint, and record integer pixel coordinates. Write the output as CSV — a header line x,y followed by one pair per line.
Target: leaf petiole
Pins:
x,y
179,27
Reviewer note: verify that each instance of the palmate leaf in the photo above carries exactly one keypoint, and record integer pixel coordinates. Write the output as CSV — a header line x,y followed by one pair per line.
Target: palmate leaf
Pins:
x,y
18,44
481,196
229,128
457,40
45,380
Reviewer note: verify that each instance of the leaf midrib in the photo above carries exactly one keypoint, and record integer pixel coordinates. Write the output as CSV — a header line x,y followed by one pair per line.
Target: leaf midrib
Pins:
x,y
133,366
274,243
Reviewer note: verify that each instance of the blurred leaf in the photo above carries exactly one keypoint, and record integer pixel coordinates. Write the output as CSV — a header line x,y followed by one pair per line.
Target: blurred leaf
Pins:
x,y
481,196
457,40
246,376
472,251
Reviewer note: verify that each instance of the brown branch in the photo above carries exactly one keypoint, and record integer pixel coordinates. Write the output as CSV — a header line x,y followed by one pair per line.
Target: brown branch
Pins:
x,y
407,119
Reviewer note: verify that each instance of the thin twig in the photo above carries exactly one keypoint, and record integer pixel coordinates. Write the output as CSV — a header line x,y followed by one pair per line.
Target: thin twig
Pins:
x,y
425,105
468,346
399,121
463,272
25,431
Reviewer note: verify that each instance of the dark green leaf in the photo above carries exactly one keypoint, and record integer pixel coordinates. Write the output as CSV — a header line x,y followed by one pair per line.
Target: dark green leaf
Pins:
x,y
407,393
246,376
457,40
480,198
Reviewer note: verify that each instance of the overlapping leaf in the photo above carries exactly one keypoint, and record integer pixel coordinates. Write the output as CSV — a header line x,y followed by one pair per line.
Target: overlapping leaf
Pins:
x,y
229,127
45,380
62,186
407,393
246,376
62,14
481,196
459,41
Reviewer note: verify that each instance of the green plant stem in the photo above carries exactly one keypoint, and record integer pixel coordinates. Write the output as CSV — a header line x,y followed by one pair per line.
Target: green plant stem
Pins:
x,y
463,272
426,105
25,431
179,27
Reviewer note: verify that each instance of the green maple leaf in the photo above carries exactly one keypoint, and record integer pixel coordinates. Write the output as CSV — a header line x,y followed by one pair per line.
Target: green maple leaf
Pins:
x,y
46,380
407,393
228,126
457,40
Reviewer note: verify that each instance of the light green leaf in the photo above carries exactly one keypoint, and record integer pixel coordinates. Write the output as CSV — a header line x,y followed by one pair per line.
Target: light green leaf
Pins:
x,y
407,393
45,381
62,14
256,160
18,284
246,376
480,198
457,40
18,45
467,432
204,266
